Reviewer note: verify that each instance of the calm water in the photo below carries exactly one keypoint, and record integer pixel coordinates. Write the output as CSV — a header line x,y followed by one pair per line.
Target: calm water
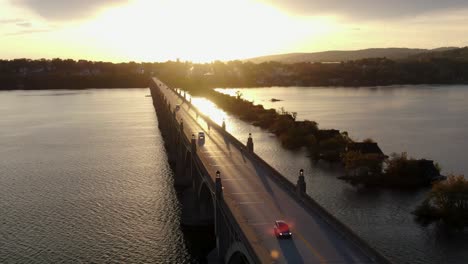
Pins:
x,y
426,122
84,178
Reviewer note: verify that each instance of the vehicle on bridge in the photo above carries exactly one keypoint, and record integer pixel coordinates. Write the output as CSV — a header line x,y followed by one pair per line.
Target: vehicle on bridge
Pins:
x,y
282,229
177,107
201,137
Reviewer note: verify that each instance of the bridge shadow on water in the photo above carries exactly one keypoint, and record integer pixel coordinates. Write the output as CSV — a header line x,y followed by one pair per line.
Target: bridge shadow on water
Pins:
x,y
290,252
199,236
200,241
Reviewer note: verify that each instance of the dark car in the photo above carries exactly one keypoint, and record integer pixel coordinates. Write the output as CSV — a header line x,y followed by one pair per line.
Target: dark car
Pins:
x,y
282,229
201,136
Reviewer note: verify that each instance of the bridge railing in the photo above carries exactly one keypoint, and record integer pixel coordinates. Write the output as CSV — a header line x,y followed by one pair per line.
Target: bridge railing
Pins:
x,y
305,200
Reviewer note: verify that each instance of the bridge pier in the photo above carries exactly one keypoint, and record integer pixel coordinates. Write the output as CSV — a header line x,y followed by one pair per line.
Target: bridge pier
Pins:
x,y
219,222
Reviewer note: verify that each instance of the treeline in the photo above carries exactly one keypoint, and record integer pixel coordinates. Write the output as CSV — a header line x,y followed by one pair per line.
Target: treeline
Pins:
x,y
69,74
22,73
366,72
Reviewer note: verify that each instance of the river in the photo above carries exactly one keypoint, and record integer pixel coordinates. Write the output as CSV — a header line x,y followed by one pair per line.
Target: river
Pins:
x,y
84,179
425,121
84,174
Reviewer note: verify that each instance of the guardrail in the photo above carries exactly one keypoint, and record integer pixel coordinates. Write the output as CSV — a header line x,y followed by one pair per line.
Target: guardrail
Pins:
x,y
308,202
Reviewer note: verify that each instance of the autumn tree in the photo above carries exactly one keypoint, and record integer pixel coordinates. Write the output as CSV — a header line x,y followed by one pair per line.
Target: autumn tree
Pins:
x,y
447,202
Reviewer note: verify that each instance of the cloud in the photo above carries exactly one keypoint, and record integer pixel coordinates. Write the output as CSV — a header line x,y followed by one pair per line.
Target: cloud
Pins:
x,y
67,10
17,21
366,9
11,21
24,24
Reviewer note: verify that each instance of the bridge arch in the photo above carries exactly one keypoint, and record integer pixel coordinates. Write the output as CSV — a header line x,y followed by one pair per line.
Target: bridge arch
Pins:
x,y
206,202
237,254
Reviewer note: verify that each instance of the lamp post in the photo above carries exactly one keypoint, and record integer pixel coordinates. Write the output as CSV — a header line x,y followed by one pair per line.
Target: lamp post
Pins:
x,y
301,185
219,186
250,145
194,144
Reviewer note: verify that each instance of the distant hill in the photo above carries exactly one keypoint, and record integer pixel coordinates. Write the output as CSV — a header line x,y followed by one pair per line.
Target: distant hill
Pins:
x,y
452,54
338,55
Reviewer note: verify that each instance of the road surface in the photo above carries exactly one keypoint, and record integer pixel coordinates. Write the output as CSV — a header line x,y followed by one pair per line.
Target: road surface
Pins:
x,y
256,201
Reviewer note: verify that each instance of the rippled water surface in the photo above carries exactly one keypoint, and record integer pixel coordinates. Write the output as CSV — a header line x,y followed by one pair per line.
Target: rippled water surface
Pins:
x,y
425,121
84,178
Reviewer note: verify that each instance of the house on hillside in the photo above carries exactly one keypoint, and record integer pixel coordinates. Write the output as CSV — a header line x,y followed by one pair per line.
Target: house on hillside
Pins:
x,y
324,134
363,158
365,148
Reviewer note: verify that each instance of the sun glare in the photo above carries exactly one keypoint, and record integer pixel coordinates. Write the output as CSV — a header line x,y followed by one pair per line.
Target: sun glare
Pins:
x,y
210,109
161,30
199,31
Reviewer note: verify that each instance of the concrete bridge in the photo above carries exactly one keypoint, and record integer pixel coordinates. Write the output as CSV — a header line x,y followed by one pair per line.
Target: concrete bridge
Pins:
x,y
227,186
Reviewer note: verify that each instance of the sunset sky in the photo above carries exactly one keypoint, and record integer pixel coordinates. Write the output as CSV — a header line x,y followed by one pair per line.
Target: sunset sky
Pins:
x,y
207,30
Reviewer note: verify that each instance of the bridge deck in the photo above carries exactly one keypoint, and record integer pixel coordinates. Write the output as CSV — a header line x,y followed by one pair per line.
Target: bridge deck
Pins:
x,y
256,201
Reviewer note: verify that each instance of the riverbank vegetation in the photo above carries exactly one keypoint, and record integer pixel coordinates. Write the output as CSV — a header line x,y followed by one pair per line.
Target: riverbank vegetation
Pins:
x,y
69,74
447,203
397,171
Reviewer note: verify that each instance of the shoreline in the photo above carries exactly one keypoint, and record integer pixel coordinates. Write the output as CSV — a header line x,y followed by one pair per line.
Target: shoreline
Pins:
x,y
378,86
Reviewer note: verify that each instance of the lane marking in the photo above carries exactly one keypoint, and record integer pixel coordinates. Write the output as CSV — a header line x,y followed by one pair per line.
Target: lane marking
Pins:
x,y
314,251
214,151
238,193
257,224
297,233
226,165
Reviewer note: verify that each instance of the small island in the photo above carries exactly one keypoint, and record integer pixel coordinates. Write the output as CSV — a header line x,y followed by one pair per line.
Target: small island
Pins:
x,y
446,203
398,171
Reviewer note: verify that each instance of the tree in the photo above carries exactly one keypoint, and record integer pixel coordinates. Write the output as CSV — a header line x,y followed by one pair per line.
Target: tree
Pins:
x,y
447,202
294,115
239,95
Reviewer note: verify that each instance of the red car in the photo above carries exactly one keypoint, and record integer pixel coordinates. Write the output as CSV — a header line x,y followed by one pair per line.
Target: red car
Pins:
x,y
282,229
